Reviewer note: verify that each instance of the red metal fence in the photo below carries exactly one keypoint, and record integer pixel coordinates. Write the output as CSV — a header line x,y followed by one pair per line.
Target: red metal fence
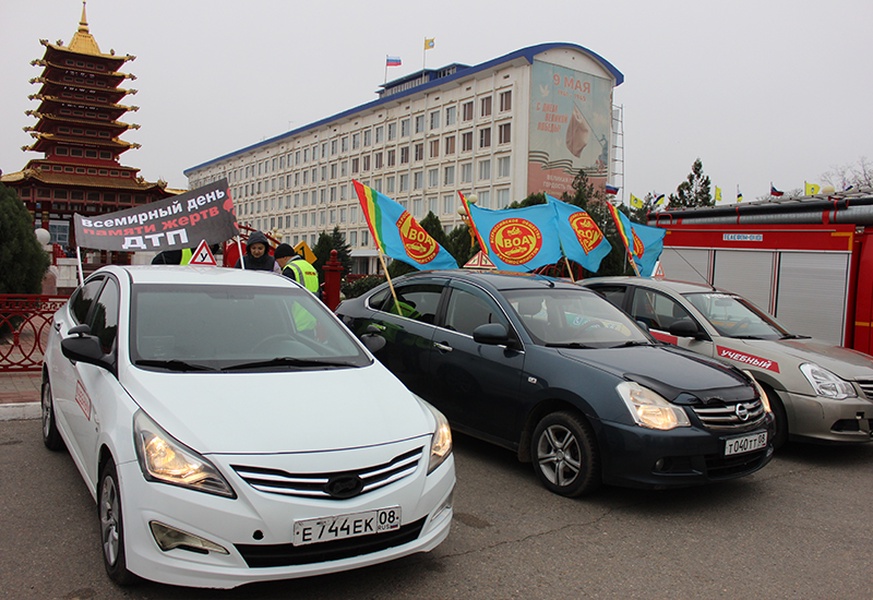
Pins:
x,y
25,320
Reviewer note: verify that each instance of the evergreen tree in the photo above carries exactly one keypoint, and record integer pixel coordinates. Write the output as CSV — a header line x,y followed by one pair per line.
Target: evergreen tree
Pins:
x,y
332,241
694,191
459,245
23,262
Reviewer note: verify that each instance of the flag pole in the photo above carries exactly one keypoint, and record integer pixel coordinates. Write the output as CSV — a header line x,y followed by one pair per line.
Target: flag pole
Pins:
x,y
390,283
386,69
630,257
569,270
81,273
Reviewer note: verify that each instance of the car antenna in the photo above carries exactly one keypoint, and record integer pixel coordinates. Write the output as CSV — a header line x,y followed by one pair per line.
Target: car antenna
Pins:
x,y
693,268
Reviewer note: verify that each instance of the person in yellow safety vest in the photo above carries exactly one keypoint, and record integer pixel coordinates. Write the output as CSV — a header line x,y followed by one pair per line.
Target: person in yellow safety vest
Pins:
x,y
173,257
296,267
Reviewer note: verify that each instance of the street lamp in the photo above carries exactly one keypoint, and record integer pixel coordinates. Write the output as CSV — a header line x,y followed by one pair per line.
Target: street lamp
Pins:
x,y
471,199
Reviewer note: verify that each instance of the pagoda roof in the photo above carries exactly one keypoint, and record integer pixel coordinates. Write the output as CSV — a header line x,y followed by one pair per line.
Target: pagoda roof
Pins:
x,y
86,181
47,81
48,63
113,125
59,100
84,43
43,139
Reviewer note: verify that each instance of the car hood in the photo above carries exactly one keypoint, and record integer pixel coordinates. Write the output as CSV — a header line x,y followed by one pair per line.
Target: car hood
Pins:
x,y
291,411
848,364
672,372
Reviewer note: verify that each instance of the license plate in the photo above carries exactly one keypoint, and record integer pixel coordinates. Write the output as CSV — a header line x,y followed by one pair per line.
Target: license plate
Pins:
x,y
747,443
326,529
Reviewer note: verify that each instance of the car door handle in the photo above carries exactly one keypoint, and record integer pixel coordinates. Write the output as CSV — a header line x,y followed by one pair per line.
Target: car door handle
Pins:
x,y
442,347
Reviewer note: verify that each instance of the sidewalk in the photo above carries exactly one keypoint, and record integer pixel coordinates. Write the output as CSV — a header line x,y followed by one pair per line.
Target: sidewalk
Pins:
x,y
19,395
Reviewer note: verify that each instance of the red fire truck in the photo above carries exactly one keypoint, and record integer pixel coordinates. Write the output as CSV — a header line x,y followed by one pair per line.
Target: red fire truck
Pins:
x,y
808,261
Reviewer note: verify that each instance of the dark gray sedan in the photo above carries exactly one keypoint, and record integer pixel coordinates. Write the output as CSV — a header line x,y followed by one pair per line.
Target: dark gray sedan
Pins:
x,y
571,383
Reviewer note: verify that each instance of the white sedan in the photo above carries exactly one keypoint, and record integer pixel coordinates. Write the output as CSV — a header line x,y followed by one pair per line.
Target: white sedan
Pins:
x,y
231,430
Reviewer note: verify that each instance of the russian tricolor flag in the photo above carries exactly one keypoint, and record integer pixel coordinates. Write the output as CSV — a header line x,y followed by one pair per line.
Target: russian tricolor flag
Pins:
x,y
774,191
611,190
392,61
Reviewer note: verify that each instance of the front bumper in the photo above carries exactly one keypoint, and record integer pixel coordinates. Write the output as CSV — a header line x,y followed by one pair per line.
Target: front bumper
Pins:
x,y
814,418
686,456
256,527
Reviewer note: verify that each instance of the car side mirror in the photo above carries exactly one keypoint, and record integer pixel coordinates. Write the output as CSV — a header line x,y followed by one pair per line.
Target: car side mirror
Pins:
x,y
372,338
686,328
81,346
643,325
493,334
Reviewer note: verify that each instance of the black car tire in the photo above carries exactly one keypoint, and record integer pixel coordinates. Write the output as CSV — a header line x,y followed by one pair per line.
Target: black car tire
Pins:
x,y
564,455
51,437
112,526
780,419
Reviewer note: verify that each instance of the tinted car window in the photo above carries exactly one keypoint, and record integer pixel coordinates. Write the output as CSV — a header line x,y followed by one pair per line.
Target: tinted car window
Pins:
x,y
615,294
468,308
654,309
735,317
417,301
104,320
81,301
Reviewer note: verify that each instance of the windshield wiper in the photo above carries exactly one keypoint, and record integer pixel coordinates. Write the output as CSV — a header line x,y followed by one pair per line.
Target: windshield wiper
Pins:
x,y
566,345
631,343
287,361
794,336
747,337
173,365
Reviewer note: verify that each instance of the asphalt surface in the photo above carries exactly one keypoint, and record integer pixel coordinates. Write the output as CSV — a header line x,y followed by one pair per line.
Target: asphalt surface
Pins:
x,y
800,528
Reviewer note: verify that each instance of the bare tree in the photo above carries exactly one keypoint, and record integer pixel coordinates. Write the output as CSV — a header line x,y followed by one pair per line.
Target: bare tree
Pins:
x,y
859,174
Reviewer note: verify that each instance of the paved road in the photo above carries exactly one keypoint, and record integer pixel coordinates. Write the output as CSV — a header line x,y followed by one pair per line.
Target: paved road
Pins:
x,y
798,529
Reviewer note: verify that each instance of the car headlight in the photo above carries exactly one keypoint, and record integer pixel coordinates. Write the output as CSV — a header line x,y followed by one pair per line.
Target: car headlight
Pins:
x,y
165,459
826,383
441,442
650,409
765,399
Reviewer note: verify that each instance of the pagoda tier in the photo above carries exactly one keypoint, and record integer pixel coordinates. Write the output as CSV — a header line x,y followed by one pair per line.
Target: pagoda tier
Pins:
x,y
78,129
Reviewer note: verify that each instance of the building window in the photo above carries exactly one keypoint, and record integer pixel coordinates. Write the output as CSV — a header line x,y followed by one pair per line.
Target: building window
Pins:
x,y
365,164
355,165
404,155
419,152
504,133
485,107
466,141
485,137
404,128
380,134
503,166
484,169
392,131
389,184
392,158
451,115
449,175
356,141
417,180
404,182
467,111
448,204
467,173
377,160
502,198
450,144
435,119
368,137
419,124
434,148
433,178
344,144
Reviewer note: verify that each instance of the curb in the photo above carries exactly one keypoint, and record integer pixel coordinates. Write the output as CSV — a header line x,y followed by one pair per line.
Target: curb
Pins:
x,y
19,411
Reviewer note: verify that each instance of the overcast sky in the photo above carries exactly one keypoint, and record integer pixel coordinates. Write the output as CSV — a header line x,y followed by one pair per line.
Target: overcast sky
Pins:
x,y
759,90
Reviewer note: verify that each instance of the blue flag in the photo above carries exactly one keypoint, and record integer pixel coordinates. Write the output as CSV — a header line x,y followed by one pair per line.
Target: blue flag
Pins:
x,y
581,238
644,244
519,239
397,234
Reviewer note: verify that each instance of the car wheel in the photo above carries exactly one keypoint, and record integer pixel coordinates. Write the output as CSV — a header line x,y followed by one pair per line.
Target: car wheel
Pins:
x,y
780,425
51,437
564,455
112,526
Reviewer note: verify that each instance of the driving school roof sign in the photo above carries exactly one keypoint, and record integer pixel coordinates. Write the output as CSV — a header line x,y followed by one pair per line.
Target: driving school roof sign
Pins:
x,y
203,214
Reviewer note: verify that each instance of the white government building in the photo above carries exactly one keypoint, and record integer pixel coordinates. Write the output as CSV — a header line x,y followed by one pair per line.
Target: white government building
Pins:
x,y
521,123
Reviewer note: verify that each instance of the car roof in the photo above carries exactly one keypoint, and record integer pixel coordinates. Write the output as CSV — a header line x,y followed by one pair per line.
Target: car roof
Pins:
x,y
681,287
499,280
175,274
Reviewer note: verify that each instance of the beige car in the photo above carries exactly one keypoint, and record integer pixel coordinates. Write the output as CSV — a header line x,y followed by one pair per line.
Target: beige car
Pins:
x,y
819,392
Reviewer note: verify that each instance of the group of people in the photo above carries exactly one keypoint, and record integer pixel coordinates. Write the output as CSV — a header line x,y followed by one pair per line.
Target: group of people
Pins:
x,y
285,260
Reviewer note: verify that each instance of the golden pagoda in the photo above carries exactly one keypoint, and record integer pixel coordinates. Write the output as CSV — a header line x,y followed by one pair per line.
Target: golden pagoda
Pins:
x,y
78,132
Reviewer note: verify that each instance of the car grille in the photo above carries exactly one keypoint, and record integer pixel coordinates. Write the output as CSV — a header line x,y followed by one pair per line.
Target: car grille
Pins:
x,y
728,416
314,485
282,555
866,387
719,467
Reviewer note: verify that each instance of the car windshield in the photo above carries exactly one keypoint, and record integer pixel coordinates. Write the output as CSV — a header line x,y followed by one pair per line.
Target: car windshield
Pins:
x,y
211,327
562,317
736,317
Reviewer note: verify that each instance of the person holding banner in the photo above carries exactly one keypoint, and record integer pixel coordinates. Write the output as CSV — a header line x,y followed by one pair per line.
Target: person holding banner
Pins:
x,y
257,258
